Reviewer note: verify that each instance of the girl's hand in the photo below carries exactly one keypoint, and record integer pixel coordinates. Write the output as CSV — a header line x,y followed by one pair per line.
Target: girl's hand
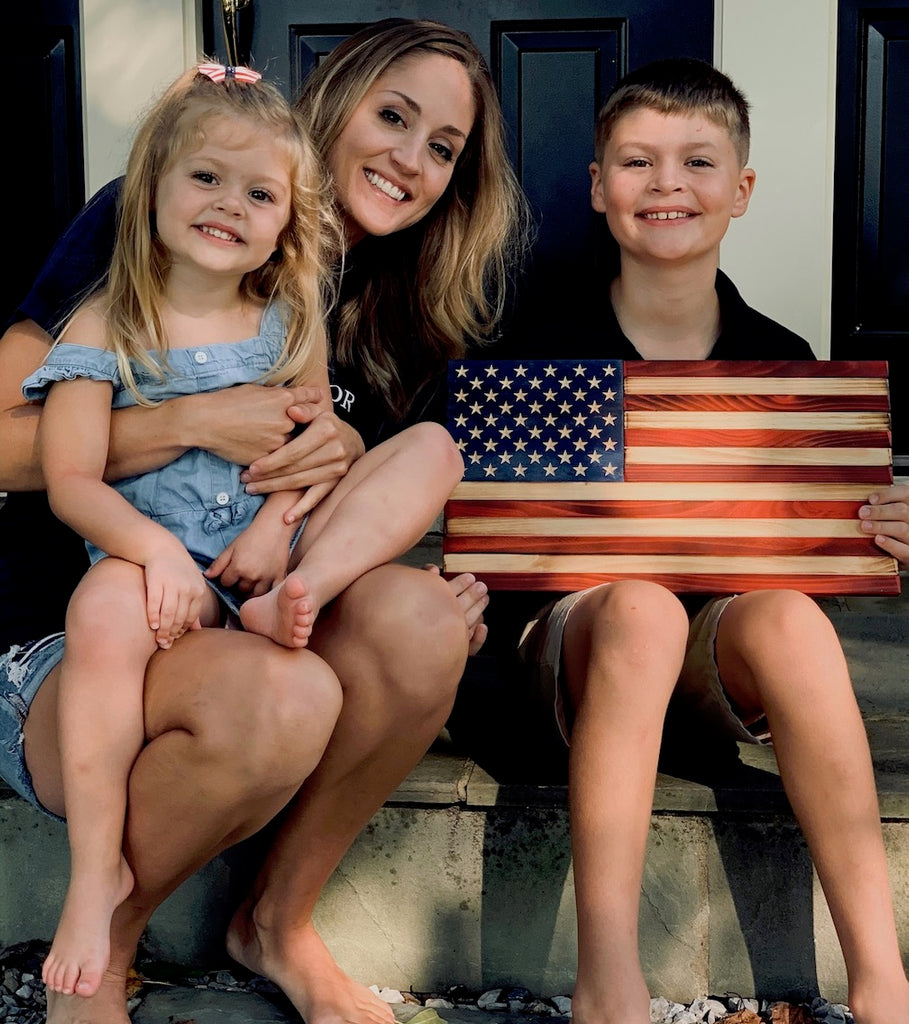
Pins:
x,y
886,517
175,591
473,597
320,454
254,563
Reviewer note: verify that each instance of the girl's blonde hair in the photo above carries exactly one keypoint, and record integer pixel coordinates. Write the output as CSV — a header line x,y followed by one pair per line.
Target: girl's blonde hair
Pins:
x,y
429,289
297,274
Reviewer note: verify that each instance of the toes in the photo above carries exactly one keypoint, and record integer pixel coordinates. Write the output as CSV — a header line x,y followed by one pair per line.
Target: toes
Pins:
x,y
66,980
89,981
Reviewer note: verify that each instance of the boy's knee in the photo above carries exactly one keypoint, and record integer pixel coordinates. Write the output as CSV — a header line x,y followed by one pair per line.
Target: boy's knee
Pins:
x,y
638,608
778,618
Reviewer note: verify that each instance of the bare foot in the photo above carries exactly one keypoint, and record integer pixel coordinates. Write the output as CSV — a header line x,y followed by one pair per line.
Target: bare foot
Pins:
x,y
106,1006
301,966
80,951
285,614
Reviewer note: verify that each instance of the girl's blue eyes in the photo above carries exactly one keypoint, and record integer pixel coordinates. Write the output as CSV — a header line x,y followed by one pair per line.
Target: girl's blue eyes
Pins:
x,y
260,195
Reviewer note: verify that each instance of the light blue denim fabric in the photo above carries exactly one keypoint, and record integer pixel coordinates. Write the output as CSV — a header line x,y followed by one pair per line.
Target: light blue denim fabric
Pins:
x,y
197,497
22,671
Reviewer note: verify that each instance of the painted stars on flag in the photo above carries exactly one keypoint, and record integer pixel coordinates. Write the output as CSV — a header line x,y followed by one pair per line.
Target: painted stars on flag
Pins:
x,y
538,420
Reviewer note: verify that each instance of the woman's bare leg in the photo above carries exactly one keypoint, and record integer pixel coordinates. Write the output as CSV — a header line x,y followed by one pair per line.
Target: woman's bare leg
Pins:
x,y
778,652
397,640
233,724
622,652
379,510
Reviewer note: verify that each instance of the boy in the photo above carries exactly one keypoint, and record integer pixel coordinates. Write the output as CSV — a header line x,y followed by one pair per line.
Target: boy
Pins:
x,y
670,172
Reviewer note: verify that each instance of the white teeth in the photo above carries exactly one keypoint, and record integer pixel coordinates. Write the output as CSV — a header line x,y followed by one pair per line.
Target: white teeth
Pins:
x,y
218,233
385,186
666,215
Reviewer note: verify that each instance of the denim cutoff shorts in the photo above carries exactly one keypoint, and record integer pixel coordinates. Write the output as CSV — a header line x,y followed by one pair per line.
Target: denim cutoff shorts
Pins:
x,y
22,671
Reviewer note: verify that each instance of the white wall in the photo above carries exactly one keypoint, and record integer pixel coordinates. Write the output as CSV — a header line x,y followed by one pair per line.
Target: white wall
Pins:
x,y
782,54
132,49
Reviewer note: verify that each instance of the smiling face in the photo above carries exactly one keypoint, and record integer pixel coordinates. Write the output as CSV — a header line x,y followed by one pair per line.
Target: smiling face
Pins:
x,y
668,185
222,207
397,153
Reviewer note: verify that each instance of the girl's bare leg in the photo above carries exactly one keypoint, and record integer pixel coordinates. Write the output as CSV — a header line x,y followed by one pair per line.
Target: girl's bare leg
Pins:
x,y
622,652
778,652
397,639
101,731
379,510
233,724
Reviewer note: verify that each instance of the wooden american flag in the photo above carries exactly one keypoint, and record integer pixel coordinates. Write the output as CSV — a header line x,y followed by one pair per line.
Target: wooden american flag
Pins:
x,y
705,476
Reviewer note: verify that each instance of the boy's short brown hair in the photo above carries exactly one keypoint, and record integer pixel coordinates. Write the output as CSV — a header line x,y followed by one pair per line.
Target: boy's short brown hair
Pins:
x,y
678,85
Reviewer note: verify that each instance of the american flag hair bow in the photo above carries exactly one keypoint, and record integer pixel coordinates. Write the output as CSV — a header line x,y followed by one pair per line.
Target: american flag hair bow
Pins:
x,y
218,72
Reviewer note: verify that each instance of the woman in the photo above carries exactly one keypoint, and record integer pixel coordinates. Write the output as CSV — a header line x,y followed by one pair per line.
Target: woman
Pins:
x,y
407,121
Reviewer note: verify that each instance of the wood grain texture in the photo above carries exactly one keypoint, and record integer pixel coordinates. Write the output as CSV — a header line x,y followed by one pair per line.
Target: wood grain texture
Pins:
x,y
735,476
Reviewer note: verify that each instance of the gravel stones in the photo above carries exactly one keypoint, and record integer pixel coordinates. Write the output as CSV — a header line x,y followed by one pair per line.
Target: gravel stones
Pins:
x,y
22,999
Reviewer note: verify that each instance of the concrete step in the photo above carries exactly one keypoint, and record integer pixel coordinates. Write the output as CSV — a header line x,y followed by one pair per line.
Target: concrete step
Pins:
x,y
459,879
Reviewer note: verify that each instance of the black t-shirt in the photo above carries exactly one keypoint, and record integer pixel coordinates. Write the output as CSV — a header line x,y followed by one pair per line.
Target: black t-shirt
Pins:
x,y
492,720
584,326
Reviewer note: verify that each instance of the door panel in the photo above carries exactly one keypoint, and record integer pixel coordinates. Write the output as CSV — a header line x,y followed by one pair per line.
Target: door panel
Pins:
x,y
871,216
42,123
553,61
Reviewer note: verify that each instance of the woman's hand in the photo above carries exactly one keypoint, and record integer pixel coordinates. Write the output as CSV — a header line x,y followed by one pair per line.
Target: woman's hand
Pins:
x,y
243,423
320,454
886,517
473,597
238,424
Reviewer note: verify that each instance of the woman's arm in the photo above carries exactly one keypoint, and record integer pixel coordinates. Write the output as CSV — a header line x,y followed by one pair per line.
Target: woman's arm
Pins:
x,y
239,424
23,348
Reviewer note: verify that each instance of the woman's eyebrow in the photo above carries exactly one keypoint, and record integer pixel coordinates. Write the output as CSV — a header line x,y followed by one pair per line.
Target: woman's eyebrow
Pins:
x,y
412,104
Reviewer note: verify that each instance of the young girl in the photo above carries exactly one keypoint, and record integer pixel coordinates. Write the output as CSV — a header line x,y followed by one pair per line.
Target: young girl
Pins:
x,y
217,279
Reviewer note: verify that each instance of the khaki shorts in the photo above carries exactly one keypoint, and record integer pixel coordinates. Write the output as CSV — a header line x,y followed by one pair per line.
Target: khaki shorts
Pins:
x,y
699,692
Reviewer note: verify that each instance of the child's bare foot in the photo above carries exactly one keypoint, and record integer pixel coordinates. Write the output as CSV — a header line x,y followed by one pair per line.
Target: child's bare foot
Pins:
x,y
80,951
286,614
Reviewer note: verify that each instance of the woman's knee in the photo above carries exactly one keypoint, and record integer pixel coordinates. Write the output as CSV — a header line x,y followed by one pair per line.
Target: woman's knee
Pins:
x,y
262,713
411,637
